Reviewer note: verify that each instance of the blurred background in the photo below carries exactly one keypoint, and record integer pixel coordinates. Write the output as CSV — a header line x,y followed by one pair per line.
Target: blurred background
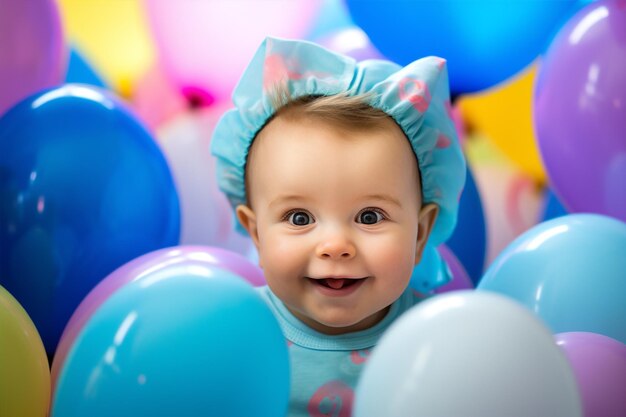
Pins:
x,y
106,114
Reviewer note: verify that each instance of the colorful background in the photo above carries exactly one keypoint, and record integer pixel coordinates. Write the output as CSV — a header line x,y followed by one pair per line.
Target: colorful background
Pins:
x,y
120,267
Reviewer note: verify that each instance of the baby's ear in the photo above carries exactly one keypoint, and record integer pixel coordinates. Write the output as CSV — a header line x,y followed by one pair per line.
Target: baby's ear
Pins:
x,y
426,219
247,218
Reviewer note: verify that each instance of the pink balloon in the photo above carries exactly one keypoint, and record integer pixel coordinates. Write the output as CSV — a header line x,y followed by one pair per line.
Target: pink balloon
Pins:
x,y
206,45
156,100
511,202
599,365
183,256
32,55
460,278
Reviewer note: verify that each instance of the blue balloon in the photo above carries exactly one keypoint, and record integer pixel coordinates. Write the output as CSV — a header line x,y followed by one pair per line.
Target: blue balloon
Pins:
x,y
332,17
79,71
484,41
178,342
83,190
469,240
570,272
552,207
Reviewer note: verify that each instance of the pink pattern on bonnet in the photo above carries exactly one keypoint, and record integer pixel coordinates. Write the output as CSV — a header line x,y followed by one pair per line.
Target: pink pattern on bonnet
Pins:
x,y
416,92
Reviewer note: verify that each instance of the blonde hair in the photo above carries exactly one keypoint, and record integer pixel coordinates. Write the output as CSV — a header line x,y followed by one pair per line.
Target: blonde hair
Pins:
x,y
341,110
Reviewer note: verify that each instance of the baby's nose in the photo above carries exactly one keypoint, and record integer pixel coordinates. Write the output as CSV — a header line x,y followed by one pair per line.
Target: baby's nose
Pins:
x,y
336,246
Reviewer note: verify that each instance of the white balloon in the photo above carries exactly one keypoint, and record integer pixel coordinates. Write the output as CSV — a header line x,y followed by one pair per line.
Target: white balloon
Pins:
x,y
467,354
206,216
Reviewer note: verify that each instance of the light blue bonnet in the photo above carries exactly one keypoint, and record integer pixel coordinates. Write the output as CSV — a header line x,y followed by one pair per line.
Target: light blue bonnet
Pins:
x,y
415,96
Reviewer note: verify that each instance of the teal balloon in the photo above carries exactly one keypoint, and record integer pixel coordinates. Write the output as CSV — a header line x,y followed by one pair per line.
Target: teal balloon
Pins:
x,y
570,272
177,342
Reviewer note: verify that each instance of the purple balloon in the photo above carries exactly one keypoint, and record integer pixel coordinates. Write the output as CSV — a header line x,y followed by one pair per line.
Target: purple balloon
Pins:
x,y
32,55
599,365
580,110
227,259
460,277
204,257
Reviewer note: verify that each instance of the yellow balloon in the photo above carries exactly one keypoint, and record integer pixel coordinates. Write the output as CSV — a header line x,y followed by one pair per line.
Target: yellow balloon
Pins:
x,y
504,115
24,369
113,36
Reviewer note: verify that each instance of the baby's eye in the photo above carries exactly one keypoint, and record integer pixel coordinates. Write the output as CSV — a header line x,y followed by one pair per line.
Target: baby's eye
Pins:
x,y
299,218
370,216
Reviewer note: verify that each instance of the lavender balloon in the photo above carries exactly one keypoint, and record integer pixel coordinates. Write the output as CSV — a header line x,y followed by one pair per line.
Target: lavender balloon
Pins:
x,y
351,41
164,261
599,365
580,110
32,55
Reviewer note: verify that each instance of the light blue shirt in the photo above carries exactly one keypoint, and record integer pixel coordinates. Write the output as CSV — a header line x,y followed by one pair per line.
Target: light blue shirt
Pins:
x,y
325,369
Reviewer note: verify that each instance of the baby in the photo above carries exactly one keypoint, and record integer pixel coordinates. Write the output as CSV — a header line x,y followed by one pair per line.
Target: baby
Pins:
x,y
342,173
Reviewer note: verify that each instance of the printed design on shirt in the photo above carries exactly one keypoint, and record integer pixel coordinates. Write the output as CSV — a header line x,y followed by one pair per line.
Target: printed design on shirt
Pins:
x,y
359,357
333,399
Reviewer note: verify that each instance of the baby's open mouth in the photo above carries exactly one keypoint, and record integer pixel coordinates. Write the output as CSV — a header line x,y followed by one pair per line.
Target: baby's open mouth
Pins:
x,y
337,283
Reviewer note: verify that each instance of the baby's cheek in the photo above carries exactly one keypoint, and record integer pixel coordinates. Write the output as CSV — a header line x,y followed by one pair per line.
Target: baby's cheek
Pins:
x,y
393,256
281,257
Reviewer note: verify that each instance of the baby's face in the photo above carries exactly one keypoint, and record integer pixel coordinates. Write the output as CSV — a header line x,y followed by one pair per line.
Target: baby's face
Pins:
x,y
335,217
